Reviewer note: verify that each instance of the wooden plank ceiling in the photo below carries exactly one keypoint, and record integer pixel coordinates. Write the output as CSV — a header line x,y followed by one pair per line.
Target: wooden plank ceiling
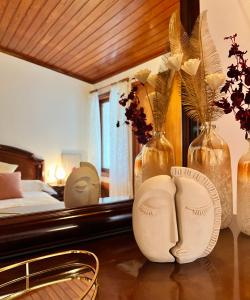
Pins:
x,y
88,39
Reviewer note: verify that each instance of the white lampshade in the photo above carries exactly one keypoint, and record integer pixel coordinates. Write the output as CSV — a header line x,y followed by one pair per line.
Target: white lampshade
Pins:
x,y
60,173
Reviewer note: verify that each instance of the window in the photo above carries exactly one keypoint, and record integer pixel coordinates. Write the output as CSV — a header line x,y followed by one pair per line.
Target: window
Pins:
x,y
105,134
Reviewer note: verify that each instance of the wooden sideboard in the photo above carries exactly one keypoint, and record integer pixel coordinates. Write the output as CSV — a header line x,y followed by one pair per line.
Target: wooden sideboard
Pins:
x,y
126,274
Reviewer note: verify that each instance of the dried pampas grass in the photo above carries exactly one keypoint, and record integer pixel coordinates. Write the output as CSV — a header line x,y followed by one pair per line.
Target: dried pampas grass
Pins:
x,y
197,96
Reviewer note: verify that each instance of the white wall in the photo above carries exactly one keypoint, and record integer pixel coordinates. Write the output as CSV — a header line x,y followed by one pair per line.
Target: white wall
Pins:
x,y
42,111
225,18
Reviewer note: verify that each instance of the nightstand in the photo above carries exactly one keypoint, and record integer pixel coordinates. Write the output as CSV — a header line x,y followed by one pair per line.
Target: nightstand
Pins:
x,y
60,191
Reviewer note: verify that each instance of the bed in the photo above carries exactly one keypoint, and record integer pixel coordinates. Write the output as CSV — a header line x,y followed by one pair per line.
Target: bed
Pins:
x,y
37,196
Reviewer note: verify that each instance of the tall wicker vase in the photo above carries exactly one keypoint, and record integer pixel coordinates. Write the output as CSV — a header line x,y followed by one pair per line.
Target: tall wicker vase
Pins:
x,y
156,158
210,155
243,191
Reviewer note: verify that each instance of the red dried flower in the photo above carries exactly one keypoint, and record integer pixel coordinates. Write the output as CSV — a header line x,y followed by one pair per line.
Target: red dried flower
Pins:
x,y
237,87
136,116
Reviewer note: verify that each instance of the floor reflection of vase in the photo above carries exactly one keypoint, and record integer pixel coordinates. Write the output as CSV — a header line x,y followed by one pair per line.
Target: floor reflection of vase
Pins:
x,y
243,192
155,158
210,155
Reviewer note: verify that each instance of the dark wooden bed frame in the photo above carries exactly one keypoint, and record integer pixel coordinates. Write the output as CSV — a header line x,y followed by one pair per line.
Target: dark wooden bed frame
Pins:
x,y
30,166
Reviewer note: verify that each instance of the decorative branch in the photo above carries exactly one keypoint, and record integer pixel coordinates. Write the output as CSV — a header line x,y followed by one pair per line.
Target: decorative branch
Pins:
x,y
236,90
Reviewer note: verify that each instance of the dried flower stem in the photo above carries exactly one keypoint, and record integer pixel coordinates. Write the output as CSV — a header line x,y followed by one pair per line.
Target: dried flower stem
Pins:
x,y
237,87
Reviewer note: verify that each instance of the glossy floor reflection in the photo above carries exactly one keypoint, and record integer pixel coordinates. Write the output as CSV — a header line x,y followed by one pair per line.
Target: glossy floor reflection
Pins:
x,y
126,274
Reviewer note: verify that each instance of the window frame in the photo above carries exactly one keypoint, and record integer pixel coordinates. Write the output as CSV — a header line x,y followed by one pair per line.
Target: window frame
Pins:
x,y
103,98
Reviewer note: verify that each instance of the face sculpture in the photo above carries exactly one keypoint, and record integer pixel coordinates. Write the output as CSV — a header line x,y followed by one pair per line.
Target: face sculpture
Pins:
x,y
154,218
198,213
196,205
82,187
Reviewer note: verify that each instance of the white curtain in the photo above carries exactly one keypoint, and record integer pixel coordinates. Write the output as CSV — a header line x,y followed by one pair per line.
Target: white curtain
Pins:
x,y
94,146
120,173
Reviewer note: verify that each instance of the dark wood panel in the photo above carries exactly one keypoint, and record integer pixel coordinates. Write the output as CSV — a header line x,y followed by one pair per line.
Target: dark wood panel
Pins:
x,y
3,7
88,16
73,14
35,232
18,18
26,23
105,36
51,20
30,166
44,39
69,36
113,16
109,56
49,8
133,30
141,59
7,16
130,56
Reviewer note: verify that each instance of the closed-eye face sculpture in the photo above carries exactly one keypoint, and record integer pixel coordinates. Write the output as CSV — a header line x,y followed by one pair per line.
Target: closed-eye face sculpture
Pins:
x,y
82,187
177,218
153,212
198,213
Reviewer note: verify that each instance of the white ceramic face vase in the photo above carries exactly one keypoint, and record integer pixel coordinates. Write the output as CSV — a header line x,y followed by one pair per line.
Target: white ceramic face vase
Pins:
x,y
198,213
82,187
154,218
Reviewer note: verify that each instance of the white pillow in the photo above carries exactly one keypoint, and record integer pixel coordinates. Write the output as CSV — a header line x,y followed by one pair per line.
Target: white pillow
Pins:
x,y
37,186
7,168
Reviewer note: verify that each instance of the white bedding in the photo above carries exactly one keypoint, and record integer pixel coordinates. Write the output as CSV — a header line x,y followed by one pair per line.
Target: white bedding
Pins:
x,y
37,197
29,199
37,186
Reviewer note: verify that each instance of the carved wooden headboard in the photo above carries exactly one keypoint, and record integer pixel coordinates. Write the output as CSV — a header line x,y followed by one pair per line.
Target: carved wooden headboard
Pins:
x,y
30,166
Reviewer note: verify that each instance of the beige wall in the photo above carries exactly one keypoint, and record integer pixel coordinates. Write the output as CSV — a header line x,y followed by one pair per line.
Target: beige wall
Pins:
x,y
42,111
227,17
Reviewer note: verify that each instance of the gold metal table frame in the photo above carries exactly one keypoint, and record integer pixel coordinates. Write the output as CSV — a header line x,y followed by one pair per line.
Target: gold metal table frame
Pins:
x,y
66,269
